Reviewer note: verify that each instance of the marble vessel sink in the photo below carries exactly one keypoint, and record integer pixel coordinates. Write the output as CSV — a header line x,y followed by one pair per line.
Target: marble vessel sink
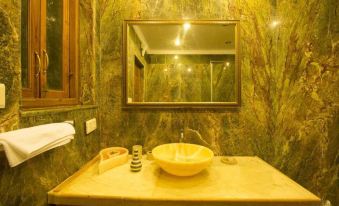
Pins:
x,y
182,159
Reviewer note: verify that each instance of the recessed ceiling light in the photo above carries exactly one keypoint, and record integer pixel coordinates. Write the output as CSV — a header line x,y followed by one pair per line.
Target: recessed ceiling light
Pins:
x,y
187,26
177,42
275,23
189,69
176,57
228,64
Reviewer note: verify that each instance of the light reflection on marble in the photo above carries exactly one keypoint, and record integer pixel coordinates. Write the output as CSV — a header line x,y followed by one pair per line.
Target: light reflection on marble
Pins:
x,y
248,182
289,114
28,183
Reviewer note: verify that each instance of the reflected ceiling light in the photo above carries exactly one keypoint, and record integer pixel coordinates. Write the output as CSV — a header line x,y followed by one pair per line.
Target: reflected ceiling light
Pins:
x,y
177,42
187,26
189,69
275,23
176,57
165,70
228,64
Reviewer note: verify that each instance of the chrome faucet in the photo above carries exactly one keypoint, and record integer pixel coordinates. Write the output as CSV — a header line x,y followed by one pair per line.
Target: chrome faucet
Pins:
x,y
181,140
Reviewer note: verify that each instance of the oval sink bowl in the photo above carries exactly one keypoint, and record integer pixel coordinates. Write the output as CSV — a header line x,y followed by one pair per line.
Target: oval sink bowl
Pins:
x,y
182,159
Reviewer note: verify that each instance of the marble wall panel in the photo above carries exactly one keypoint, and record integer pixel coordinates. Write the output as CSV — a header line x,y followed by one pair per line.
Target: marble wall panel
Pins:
x,y
28,183
289,113
10,63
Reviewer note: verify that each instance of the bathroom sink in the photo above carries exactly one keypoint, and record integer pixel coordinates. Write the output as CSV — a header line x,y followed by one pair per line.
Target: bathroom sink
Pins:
x,y
182,159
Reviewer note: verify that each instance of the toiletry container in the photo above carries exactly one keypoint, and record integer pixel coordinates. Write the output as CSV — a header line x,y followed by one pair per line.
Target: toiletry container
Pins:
x,y
136,161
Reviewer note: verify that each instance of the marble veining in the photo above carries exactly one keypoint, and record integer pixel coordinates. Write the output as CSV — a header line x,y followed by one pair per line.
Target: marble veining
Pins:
x,y
289,114
28,183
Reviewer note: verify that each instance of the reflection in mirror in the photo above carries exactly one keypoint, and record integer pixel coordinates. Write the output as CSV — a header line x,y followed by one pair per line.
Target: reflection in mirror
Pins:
x,y
54,31
181,63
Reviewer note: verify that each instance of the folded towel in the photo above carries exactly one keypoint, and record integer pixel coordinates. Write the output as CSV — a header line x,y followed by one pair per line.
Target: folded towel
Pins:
x,y
23,144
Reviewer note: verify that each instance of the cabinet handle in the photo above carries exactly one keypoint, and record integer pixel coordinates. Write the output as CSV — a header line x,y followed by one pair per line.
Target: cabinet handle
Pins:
x,y
38,66
47,60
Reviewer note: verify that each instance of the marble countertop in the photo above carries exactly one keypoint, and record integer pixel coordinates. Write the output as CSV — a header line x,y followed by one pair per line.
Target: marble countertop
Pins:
x,y
249,182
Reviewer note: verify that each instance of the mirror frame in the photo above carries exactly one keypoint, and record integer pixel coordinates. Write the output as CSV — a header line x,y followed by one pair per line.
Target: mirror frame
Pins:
x,y
179,105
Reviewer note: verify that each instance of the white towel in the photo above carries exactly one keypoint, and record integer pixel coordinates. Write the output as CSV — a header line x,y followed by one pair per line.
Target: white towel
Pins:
x,y
23,144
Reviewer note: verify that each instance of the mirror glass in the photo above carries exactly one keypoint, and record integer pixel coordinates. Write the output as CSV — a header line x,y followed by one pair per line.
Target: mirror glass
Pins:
x,y
181,63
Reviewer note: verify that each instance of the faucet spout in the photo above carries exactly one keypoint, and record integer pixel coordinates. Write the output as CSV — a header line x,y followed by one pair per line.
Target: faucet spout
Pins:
x,y
181,140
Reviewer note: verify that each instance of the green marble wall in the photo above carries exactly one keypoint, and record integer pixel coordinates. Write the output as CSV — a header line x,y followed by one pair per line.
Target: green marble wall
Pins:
x,y
28,183
289,113
10,63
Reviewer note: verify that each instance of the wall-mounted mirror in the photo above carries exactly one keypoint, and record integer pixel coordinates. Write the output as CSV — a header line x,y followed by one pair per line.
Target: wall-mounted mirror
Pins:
x,y
180,64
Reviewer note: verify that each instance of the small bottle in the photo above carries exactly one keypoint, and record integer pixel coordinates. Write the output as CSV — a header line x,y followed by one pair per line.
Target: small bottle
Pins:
x,y
139,149
149,155
136,162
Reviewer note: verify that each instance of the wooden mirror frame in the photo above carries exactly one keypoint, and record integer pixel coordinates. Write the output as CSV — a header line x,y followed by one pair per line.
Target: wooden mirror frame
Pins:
x,y
179,105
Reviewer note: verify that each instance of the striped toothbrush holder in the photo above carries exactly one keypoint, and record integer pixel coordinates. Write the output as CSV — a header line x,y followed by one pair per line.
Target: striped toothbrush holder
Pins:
x,y
136,161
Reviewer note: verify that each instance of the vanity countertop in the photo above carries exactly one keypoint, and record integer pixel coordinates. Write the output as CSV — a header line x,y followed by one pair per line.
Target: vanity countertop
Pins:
x,y
250,182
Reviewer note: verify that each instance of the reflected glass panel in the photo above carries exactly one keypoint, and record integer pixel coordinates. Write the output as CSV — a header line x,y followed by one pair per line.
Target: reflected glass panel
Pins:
x,y
182,63
54,31
24,44
223,81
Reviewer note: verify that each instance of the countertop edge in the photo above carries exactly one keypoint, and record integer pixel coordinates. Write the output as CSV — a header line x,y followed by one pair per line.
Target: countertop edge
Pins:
x,y
55,196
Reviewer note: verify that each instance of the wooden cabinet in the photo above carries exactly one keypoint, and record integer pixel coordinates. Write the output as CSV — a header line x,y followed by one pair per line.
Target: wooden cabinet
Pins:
x,y
49,52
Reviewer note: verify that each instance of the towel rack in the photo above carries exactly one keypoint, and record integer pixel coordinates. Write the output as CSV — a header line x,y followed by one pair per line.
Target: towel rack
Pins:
x,y
70,122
